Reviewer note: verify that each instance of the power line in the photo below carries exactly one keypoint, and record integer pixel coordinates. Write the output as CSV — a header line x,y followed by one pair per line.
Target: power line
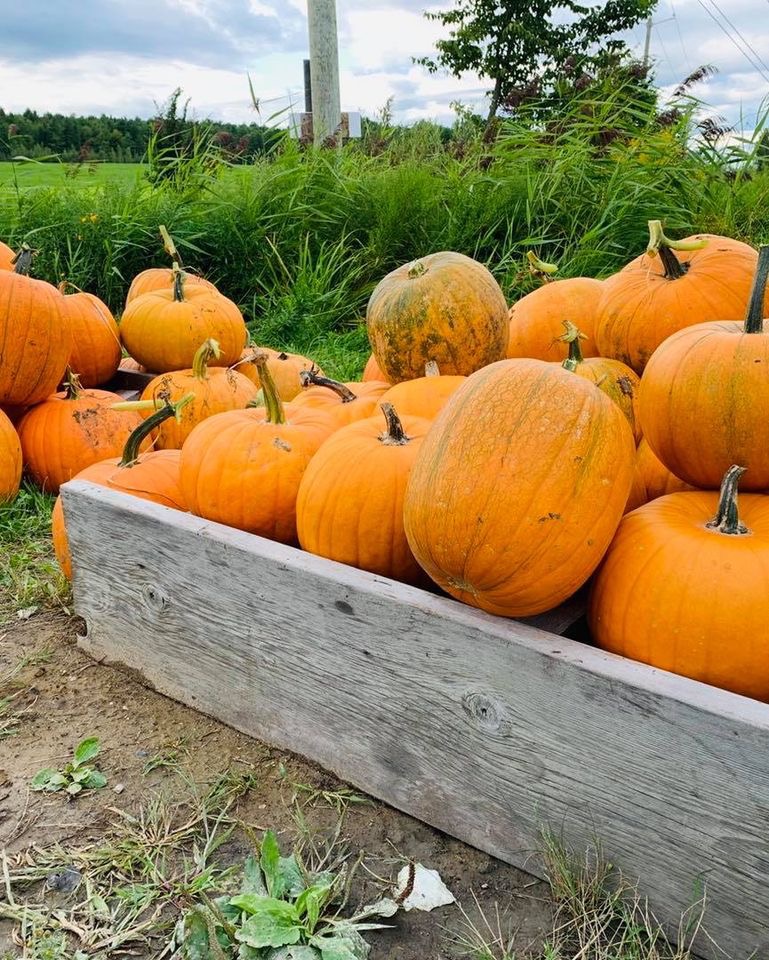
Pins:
x,y
741,36
740,49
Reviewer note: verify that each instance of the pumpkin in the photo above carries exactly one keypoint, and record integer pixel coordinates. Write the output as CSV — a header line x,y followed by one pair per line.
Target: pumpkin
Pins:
x,y
71,430
162,278
536,320
699,279
163,329
350,503
424,397
10,460
214,389
704,393
284,367
96,353
128,363
35,337
684,587
243,467
519,487
153,476
372,371
613,377
343,402
445,307
7,256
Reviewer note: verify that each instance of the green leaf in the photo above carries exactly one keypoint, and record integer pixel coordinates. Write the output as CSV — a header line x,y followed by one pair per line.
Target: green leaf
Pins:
x,y
309,903
74,788
348,945
195,945
249,953
297,952
81,775
270,861
290,881
271,928
96,780
86,750
253,879
48,779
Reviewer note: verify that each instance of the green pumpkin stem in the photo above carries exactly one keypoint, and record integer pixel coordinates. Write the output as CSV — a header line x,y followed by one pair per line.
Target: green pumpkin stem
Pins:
x,y
754,321
169,246
540,267
395,435
272,402
311,378
179,277
22,262
145,428
572,336
72,385
662,246
727,518
206,352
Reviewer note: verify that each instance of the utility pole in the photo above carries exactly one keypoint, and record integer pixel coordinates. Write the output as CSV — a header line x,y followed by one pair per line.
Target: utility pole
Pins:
x,y
647,44
324,69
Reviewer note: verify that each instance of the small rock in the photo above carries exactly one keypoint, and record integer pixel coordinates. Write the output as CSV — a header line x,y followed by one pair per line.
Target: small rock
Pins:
x,y
119,787
65,880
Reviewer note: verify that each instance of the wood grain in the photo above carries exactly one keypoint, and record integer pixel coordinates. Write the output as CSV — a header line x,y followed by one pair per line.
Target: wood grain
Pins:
x,y
485,728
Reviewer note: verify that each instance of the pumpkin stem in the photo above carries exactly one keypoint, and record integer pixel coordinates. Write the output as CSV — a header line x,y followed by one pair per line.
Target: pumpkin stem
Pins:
x,y
22,262
145,428
179,277
72,385
395,435
207,351
727,518
68,283
540,267
572,336
313,378
417,269
272,402
169,246
662,246
432,369
754,322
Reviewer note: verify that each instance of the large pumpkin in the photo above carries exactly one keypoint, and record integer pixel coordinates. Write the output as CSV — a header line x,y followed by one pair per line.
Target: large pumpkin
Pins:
x,y
685,587
519,487
214,390
96,350
536,320
10,460
7,256
372,371
163,329
162,278
35,337
350,503
285,368
704,395
424,397
651,478
445,307
689,281
343,402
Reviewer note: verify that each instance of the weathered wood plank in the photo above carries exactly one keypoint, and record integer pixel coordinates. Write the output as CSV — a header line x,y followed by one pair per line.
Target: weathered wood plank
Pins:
x,y
485,728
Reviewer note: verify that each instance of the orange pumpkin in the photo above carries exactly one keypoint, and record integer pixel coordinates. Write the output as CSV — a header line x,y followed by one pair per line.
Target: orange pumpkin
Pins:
x,y
704,393
71,430
214,389
519,487
424,397
284,367
343,403
96,350
708,278
7,256
372,371
10,460
536,320
163,329
243,467
162,278
152,476
445,307
350,503
35,337
684,587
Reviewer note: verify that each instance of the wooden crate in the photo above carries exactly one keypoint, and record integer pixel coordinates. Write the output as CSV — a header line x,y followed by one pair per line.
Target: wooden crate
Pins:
x,y
485,728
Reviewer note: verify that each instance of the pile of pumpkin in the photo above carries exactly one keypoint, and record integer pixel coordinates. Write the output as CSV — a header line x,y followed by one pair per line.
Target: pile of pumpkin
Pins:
x,y
597,429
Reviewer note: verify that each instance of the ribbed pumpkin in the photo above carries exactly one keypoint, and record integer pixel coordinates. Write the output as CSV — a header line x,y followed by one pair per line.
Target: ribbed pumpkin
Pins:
x,y
243,468
71,430
35,337
614,378
708,279
350,503
163,329
10,460
519,487
284,367
96,350
343,403
685,587
372,371
7,256
214,389
424,397
536,320
704,393
153,476
162,278
445,307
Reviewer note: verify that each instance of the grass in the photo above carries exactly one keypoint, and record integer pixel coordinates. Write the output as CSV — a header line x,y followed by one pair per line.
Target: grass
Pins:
x,y
23,175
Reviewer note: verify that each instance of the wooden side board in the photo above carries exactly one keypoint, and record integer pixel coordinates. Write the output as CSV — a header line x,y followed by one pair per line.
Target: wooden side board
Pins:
x,y
485,728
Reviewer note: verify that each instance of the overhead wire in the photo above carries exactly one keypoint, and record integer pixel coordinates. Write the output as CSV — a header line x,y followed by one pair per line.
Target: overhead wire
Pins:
x,y
742,37
756,66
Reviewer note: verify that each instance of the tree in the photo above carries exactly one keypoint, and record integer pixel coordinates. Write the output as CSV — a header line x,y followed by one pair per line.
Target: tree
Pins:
x,y
524,44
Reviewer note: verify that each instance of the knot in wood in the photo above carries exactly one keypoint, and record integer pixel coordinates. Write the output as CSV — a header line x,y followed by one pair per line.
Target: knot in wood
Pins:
x,y
484,711
154,597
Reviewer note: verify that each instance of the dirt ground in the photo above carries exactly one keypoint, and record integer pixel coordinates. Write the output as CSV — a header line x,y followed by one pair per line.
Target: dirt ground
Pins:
x,y
68,696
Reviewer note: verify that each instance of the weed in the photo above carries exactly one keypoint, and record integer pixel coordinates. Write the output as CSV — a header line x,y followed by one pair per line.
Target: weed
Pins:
x,y
77,775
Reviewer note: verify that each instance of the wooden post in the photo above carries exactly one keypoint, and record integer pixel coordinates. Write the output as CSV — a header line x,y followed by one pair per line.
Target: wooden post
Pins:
x,y
324,69
307,87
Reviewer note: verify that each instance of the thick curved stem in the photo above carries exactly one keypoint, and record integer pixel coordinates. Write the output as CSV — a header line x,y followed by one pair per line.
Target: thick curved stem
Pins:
x,y
727,518
72,385
206,352
169,246
145,428
67,284
754,321
272,402
178,283
395,435
572,336
22,262
311,378
538,266
662,246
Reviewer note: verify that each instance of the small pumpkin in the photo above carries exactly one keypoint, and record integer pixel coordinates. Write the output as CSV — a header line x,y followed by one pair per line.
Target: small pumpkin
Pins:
x,y
519,487
151,475
71,430
285,368
372,371
163,329
214,390
10,460
96,353
162,278
350,502
684,587
444,307
343,402
424,397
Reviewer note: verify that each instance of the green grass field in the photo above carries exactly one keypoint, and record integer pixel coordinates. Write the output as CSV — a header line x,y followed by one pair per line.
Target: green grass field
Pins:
x,y
30,173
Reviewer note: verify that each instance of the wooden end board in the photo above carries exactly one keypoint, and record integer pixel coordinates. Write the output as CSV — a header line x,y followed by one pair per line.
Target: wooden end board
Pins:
x,y
485,728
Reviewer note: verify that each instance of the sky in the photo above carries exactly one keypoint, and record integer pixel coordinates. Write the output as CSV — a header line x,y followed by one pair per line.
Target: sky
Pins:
x,y
123,57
